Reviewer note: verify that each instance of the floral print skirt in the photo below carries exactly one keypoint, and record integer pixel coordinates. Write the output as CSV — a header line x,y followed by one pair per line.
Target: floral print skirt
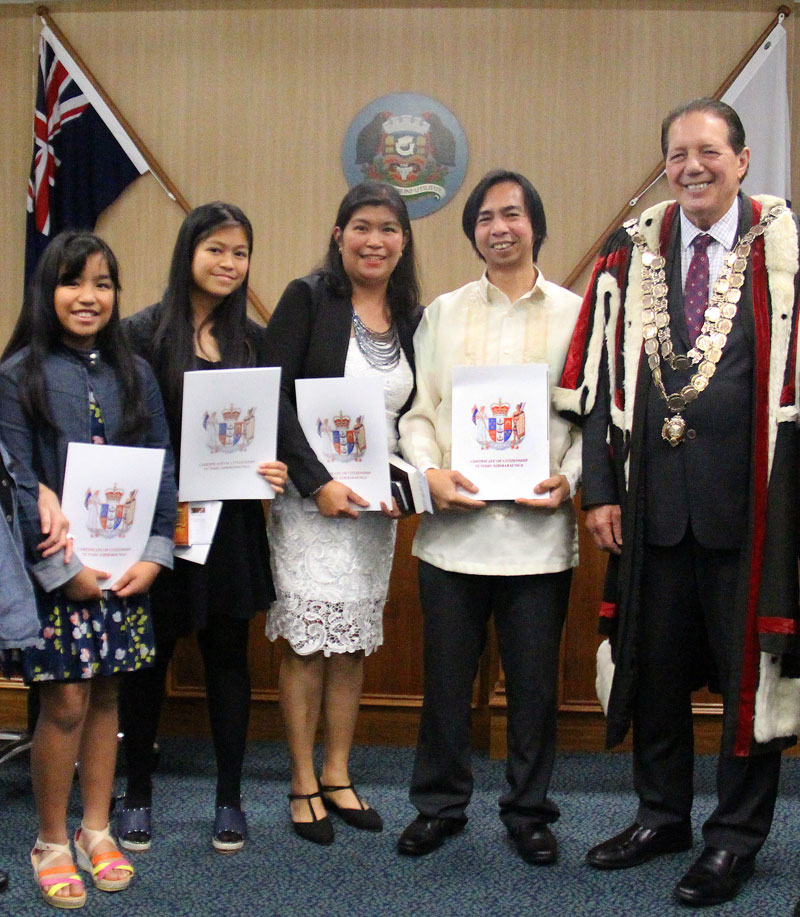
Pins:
x,y
79,640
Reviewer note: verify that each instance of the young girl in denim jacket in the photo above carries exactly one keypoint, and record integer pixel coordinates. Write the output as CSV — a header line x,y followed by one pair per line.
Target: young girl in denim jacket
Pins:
x,y
69,376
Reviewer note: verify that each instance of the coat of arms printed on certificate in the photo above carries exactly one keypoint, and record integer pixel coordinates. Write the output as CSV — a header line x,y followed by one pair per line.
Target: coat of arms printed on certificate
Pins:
x,y
228,431
109,515
499,428
342,441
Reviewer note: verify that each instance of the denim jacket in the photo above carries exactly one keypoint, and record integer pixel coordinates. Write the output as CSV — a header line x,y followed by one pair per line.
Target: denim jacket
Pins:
x,y
19,624
39,452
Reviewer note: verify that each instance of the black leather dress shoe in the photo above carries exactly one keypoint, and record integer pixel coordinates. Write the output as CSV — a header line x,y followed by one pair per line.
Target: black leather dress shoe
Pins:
x,y
637,845
425,834
796,911
535,843
3,880
715,876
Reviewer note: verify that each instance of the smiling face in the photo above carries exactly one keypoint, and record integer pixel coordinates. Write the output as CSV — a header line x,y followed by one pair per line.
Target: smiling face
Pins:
x,y
371,245
220,264
503,233
703,171
84,305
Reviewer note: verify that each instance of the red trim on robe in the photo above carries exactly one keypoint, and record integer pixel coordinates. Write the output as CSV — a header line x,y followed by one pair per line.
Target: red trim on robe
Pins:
x,y
666,226
785,626
621,260
618,259
751,651
608,610
577,347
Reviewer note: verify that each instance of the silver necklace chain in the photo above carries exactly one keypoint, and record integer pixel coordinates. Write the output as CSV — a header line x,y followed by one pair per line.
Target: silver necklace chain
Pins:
x,y
381,349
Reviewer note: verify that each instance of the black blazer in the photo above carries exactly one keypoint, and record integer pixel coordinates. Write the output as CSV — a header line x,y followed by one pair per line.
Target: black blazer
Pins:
x,y
308,337
704,483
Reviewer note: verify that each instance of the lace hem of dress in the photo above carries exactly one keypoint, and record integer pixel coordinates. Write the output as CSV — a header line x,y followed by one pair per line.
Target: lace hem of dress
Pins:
x,y
312,626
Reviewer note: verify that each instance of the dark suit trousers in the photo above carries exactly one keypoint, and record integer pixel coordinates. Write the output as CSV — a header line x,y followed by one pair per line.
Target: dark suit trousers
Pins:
x,y
686,602
529,615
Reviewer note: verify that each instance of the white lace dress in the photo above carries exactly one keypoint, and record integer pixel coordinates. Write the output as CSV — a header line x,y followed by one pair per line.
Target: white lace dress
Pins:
x,y
332,574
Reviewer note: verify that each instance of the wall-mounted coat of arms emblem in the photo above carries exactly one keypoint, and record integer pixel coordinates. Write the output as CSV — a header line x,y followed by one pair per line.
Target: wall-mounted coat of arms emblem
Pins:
x,y
228,431
109,514
499,427
410,141
343,441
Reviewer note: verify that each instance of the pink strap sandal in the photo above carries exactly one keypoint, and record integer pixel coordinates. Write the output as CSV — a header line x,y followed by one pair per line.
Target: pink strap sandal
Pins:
x,y
100,864
51,879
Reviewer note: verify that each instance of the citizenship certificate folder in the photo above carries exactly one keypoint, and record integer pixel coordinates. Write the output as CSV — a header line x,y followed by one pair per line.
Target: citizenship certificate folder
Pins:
x,y
344,421
229,427
501,420
109,497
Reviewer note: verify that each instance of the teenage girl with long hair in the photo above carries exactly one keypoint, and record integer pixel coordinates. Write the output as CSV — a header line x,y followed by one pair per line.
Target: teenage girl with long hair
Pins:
x,y
201,323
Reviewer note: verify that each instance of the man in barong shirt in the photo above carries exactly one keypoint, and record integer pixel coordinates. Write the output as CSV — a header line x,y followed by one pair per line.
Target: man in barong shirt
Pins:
x,y
509,559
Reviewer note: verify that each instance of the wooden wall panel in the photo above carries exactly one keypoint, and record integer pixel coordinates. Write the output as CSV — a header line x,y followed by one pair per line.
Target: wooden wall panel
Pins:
x,y
248,101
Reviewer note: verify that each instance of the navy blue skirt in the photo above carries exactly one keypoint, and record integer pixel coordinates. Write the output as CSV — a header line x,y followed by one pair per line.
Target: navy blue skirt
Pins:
x,y
80,640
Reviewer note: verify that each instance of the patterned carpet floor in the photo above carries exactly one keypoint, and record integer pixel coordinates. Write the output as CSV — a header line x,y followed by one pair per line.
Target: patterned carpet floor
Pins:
x,y
474,874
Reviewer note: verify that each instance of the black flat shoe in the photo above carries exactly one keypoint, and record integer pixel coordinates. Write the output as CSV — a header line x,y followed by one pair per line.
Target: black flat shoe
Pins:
x,y
714,877
364,818
637,844
318,831
424,835
535,843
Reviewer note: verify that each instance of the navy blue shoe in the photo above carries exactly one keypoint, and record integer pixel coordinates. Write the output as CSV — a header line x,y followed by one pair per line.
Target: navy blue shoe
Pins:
x,y
230,829
134,827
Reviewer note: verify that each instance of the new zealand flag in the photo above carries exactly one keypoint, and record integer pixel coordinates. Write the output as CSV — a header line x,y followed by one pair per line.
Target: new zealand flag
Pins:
x,y
82,157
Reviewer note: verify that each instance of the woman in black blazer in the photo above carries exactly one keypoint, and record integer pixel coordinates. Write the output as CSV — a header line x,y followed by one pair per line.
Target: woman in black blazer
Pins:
x,y
354,317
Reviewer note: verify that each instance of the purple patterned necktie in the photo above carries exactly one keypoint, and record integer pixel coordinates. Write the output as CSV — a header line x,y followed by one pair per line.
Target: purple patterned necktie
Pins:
x,y
695,295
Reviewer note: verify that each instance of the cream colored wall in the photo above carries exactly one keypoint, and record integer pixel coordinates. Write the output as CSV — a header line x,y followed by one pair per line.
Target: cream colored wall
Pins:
x,y
249,102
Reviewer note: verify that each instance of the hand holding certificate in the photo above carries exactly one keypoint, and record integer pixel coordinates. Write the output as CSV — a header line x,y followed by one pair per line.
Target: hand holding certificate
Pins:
x,y
500,422
344,421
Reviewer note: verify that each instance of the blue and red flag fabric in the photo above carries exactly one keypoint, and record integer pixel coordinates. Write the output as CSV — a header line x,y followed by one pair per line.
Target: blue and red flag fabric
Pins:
x,y
82,157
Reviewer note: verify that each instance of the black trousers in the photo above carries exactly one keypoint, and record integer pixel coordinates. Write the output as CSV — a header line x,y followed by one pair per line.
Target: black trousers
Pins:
x,y
686,606
529,616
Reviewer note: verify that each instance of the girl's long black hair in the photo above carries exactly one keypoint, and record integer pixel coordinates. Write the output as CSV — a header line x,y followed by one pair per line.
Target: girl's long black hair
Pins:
x,y
403,291
39,329
172,351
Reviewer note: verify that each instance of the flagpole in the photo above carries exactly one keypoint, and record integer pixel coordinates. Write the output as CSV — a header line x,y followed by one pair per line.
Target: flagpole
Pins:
x,y
158,173
658,171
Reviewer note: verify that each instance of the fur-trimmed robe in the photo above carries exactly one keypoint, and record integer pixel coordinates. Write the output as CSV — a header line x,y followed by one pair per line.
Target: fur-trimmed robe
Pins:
x,y
607,349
